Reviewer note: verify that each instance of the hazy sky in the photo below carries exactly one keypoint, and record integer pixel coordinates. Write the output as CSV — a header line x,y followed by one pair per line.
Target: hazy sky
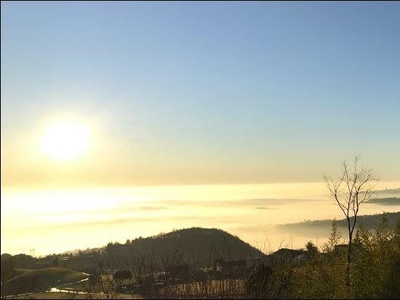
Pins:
x,y
200,92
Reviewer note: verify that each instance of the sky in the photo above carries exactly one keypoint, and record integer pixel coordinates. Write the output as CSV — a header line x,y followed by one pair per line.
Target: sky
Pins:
x,y
186,93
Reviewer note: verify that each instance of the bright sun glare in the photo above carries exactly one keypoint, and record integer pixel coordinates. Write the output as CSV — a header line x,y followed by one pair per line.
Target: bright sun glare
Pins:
x,y
65,141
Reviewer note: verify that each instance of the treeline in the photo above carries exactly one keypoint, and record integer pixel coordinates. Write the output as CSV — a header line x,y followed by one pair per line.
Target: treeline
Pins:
x,y
375,268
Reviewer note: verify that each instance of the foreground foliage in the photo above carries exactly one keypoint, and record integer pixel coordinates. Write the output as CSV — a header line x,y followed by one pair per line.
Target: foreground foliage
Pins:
x,y
375,271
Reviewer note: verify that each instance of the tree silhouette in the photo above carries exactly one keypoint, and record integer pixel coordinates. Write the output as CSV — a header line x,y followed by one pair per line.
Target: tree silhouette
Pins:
x,y
350,190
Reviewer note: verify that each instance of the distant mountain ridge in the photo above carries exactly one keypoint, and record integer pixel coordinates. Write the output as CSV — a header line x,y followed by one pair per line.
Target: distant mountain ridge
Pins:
x,y
367,220
391,192
385,201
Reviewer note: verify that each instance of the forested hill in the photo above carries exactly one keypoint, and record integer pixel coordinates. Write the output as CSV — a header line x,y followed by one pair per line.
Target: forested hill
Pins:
x,y
192,245
201,246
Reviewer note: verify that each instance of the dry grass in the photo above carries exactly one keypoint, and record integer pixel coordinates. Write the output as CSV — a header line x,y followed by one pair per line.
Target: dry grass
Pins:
x,y
223,288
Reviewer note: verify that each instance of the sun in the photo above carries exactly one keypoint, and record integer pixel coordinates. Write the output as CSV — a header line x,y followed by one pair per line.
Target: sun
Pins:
x,y
65,141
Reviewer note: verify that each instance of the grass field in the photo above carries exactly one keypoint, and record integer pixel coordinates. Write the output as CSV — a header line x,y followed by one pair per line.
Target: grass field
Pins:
x,y
40,280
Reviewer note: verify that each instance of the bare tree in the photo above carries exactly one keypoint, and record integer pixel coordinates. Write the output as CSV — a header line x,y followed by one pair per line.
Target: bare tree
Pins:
x,y
350,190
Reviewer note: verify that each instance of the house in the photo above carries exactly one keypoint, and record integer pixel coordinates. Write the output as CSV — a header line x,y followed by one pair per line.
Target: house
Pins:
x,y
289,255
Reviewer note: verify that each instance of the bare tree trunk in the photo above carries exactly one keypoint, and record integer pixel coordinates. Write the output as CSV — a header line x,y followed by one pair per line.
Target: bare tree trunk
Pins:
x,y
350,191
348,265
